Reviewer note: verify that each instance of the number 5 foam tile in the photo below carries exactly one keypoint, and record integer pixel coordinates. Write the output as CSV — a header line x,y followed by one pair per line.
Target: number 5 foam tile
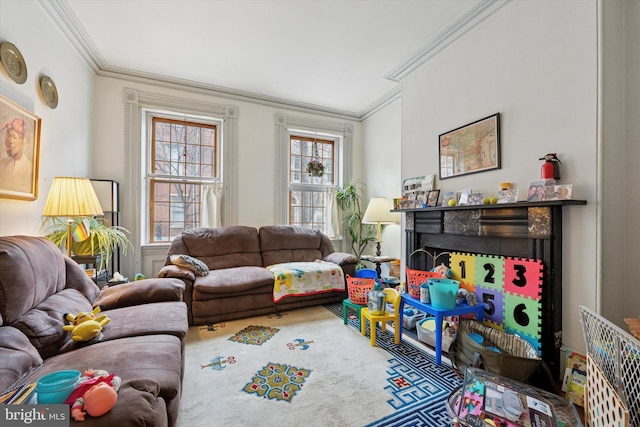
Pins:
x,y
490,271
493,301
523,277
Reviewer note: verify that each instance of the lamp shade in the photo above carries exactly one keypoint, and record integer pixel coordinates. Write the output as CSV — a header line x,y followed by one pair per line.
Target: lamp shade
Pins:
x,y
378,212
72,197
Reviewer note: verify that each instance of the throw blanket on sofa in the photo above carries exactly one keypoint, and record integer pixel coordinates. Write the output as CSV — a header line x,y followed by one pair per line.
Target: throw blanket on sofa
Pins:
x,y
305,278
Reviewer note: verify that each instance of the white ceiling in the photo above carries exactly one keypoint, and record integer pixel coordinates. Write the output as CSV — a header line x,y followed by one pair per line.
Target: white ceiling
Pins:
x,y
339,56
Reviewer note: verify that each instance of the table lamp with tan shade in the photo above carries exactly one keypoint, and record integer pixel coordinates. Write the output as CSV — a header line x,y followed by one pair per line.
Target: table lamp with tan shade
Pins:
x,y
378,212
71,198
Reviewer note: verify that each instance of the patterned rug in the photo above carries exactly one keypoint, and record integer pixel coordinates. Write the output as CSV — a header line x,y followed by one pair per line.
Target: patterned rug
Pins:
x,y
419,388
306,367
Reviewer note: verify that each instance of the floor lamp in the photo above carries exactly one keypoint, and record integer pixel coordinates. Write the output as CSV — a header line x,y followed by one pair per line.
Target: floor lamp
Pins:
x,y
70,198
378,212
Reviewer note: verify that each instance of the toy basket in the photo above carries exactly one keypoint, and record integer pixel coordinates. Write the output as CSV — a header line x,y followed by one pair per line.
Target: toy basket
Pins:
x,y
415,278
358,288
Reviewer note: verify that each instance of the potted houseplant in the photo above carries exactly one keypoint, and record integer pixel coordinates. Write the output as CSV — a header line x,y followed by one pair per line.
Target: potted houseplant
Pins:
x,y
102,240
349,198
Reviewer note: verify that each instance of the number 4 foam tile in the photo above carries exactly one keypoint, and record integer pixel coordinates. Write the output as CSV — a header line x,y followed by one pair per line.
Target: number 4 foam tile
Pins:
x,y
523,277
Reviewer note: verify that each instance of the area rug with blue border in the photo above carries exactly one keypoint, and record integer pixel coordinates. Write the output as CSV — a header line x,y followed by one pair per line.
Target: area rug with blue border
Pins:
x,y
418,387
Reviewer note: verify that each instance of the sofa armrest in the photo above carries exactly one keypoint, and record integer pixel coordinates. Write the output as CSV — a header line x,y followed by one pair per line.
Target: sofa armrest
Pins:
x,y
174,271
140,292
341,258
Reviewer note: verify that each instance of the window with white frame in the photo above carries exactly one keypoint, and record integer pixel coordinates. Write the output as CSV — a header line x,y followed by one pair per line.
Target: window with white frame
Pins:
x,y
311,174
183,157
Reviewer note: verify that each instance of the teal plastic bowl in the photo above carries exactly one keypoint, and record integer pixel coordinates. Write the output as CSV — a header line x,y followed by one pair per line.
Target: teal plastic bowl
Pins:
x,y
54,388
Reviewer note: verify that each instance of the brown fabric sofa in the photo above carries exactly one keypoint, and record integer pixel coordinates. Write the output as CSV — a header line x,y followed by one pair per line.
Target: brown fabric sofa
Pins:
x,y
238,285
143,343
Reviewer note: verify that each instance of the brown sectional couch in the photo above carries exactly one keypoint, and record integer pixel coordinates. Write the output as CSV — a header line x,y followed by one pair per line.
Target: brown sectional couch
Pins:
x,y
143,343
238,285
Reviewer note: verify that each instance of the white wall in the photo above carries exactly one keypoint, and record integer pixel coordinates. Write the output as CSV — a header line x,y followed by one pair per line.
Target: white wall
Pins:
x,y
381,159
535,63
67,131
257,157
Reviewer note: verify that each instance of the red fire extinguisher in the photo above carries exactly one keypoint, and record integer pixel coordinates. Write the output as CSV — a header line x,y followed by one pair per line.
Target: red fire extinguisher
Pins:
x,y
551,167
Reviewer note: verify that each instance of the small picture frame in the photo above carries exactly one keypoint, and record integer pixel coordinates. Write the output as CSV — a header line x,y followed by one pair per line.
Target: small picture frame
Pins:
x,y
447,196
463,196
539,190
561,192
407,204
476,199
432,198
508,196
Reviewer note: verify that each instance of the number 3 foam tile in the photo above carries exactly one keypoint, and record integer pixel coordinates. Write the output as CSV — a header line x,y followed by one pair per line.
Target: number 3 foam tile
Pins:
x,y
493,301
490,271
463,267
523,277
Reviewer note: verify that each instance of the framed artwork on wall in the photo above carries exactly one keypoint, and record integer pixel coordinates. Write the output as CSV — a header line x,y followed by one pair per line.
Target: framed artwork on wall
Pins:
x,y
470,148
19,156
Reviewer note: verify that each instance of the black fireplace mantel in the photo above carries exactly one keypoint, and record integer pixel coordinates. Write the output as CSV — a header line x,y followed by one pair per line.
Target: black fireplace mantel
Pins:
x,y
524,229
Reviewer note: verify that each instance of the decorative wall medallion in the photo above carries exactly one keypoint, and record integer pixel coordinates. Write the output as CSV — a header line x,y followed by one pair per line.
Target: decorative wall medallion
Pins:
x,y
13,62
49,91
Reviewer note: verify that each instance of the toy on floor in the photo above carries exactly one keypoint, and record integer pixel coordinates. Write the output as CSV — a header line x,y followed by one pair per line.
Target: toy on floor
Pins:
x,y
85,326
96,394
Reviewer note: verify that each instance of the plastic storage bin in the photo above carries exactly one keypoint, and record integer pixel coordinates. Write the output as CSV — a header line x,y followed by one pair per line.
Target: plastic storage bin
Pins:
x,y
426,333
411,317
443,293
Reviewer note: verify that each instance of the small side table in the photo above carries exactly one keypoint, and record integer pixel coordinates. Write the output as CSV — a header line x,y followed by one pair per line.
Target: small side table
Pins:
x,y
440,314
377,260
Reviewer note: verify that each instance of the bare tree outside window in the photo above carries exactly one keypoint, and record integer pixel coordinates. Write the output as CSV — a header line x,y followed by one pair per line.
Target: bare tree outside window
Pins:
x,y
184,157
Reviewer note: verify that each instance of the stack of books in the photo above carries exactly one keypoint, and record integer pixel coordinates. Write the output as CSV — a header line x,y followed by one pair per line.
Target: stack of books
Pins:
x,y
24,394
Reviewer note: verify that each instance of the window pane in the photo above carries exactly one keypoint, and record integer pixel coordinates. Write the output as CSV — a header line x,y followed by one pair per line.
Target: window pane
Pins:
x,y
307,209
188,151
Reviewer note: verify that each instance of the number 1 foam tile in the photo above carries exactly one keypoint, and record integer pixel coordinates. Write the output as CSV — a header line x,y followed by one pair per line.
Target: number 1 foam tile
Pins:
x,y
462,267
534,341
489,271
522,314
493,301
523,277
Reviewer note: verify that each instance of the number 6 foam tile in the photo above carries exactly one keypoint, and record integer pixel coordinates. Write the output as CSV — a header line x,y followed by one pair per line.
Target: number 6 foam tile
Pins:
x,y
522,315
493,301
523,277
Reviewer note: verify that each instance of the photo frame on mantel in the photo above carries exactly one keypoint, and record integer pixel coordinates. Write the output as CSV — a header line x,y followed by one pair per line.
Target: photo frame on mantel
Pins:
x,y
470,148
20,136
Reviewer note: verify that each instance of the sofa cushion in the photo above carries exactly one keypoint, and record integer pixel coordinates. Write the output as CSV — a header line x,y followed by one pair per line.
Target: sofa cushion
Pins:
x,y
43,324
287,243
140,292
168,318
18,356
233,281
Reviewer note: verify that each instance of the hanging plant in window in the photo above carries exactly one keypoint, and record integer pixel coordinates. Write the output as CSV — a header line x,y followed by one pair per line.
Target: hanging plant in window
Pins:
x,y
315,166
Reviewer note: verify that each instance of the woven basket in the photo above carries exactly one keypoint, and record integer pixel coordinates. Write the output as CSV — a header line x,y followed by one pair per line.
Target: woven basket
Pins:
x,y
358,288
415,278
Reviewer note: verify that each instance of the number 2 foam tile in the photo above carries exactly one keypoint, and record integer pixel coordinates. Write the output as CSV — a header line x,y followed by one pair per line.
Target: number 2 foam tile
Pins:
x,y
523,277
489,271
462,266
493,301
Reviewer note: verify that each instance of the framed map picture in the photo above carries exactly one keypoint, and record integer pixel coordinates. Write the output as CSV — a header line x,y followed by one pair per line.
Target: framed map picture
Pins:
x,y
471,148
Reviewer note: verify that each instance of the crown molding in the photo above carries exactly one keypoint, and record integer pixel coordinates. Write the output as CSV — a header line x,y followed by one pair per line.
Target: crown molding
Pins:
x,y
469,19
